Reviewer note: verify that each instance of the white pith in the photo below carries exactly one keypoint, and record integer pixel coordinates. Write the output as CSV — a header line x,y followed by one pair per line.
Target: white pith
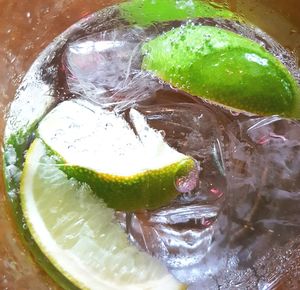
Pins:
x,y
95,138
83,262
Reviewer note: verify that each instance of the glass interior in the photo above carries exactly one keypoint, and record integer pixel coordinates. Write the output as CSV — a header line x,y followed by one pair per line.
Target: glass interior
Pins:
x,y
27,27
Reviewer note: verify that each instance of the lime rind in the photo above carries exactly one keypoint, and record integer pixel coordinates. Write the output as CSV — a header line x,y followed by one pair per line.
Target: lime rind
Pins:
x,y
148,190
149,12
224,68
130,170
93,253
295,112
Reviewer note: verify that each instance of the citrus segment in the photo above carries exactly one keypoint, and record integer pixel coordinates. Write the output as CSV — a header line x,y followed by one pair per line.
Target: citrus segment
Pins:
x,y
79,234
225,68
130,168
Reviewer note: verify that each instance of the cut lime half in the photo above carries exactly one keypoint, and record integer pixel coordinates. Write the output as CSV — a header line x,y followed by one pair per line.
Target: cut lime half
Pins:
x,y
126,163
79,234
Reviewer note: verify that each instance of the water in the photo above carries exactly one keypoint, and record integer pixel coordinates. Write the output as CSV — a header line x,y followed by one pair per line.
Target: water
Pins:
x,y
238,228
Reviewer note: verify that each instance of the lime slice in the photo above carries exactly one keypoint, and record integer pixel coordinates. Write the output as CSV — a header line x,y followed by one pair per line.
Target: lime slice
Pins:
x,y
130,167
147,12
224,68
79,234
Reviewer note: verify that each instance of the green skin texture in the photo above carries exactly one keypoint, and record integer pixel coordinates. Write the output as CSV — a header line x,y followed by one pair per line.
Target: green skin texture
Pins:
x,y
148,190
140,191
224,68
147,12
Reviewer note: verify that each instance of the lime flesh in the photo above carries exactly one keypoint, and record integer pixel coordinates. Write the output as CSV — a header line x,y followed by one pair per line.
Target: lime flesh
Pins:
x,y
224,68
79,234
129,169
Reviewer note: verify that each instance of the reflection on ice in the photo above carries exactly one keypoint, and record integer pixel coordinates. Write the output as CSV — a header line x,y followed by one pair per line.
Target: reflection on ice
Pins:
x,y
96,63
105,68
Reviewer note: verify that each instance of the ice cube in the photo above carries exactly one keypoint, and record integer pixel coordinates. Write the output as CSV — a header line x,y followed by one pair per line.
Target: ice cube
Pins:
x,y
105,67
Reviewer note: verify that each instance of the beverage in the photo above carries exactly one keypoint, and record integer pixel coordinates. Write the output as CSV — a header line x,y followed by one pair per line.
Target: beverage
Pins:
x,y
214,222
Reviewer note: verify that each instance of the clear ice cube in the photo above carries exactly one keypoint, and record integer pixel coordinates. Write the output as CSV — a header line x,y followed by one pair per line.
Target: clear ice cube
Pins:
x,y
105,68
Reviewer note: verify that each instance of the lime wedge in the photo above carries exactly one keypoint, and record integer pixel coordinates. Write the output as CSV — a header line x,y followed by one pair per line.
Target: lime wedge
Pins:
x,y
79,234
130,167
147,12
225,68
